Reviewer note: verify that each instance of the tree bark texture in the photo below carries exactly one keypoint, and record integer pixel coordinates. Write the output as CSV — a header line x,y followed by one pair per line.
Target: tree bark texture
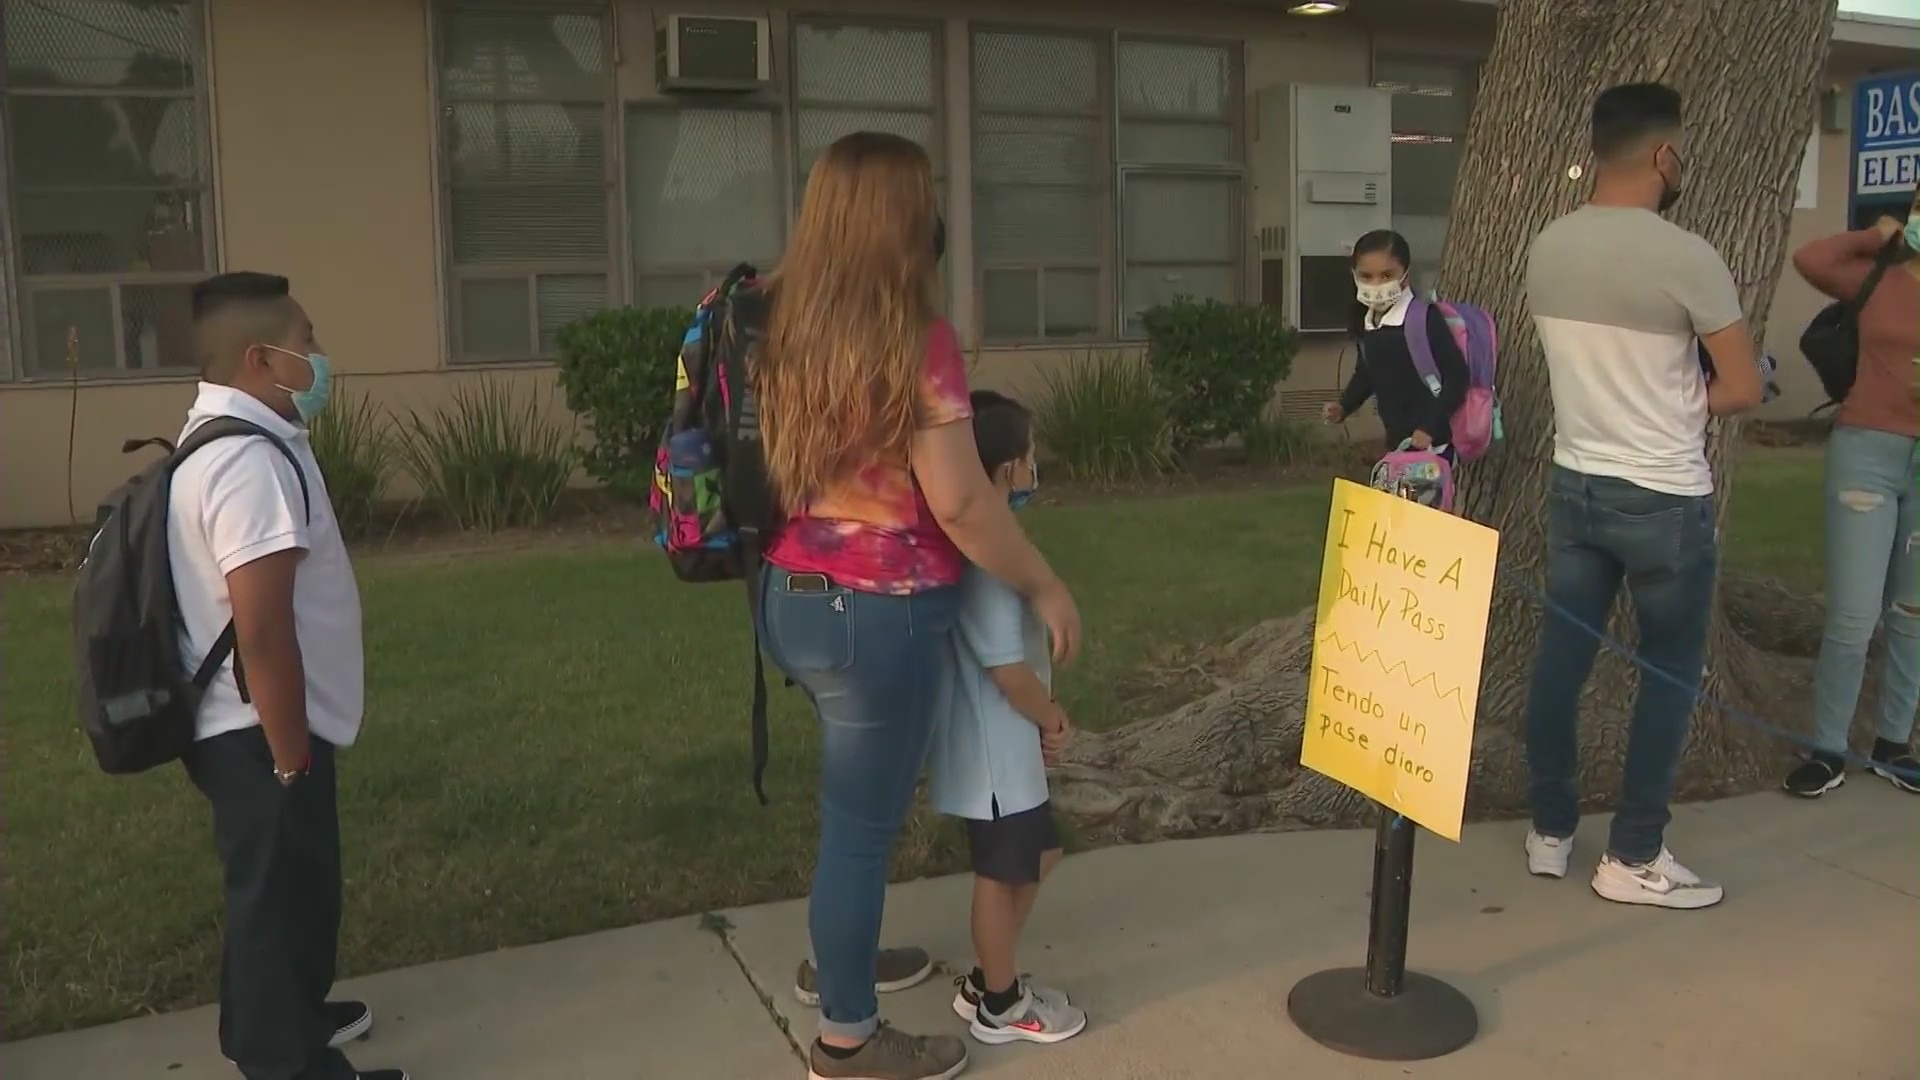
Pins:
x,y
1749,73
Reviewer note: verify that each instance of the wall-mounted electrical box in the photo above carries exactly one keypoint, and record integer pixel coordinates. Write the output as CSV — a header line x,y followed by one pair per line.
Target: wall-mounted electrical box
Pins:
x,y
713,53
1324,162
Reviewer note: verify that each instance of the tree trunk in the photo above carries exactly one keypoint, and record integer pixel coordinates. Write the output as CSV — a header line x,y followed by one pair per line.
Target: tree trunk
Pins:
x,y
1749,74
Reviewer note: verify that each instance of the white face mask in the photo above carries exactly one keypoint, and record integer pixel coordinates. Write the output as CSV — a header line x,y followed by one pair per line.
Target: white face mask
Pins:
x,y
1381,296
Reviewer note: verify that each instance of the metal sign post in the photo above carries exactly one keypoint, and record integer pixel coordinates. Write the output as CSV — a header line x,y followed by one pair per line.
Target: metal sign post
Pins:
x,y
1383,1011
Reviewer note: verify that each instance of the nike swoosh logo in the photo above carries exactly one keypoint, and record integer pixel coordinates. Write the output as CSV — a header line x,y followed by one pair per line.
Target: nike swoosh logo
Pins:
x,y
1034,1026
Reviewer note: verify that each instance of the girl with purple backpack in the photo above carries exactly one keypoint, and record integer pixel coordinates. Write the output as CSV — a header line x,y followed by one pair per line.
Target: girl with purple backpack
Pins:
x,y
1428,365
1416,407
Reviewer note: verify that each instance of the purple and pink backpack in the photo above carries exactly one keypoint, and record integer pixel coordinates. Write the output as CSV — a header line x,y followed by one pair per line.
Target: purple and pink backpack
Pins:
x,y
1476,423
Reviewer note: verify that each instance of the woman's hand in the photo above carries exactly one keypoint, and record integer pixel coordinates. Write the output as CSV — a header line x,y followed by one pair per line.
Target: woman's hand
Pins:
x,y
1332,413
1421,441
1055,607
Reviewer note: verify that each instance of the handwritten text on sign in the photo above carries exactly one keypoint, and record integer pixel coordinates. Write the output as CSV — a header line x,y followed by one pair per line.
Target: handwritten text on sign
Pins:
x,y
1397,648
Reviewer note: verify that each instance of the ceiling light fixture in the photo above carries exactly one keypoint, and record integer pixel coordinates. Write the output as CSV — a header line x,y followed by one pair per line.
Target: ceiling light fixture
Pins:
x,y
1318,7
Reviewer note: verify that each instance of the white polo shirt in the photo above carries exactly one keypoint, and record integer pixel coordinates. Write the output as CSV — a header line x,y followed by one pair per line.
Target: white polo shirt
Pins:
x,y
984,753
236,500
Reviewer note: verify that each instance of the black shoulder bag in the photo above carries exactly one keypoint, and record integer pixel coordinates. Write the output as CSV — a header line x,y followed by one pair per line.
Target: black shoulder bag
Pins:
x,y
1831,342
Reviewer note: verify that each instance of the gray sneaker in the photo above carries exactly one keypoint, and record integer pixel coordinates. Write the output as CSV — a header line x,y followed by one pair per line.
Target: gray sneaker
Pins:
x,y
892,1054
895,970
1040,1016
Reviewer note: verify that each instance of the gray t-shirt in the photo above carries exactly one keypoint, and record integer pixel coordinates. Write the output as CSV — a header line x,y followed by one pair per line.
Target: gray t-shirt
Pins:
x,y
1619,297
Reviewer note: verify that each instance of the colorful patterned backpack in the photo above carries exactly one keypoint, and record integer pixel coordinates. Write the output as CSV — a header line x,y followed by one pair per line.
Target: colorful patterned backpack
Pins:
x,y
712,504
1423,476
1476,423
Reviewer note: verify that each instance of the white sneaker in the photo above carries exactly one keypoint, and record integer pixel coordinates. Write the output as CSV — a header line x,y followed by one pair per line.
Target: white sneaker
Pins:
x,y
1660,883
1034,1018
1547,856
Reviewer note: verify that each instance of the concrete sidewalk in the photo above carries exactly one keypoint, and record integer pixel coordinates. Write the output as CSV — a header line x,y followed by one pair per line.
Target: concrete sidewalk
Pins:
x,y
1183,954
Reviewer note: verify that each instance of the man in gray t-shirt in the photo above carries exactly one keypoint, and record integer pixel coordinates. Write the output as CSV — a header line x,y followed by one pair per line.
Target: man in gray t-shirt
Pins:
x,y
1622,298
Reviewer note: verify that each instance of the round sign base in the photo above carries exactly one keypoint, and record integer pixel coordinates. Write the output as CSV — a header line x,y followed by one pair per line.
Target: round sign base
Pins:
x,y
1427,1019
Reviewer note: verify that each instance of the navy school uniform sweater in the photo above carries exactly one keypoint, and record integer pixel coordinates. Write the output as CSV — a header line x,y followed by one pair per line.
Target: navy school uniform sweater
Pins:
x,y
1385,372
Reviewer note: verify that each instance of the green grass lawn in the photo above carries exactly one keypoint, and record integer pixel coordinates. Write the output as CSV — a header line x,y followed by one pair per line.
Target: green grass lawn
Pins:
x,y
556,742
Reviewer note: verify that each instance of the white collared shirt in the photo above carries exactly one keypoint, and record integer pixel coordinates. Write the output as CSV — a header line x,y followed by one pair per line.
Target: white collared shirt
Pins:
x,y
1393,316
237,500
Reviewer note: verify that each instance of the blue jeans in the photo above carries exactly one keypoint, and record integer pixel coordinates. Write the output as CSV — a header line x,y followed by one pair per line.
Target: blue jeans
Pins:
x,y
1872,582
1602,531
877,668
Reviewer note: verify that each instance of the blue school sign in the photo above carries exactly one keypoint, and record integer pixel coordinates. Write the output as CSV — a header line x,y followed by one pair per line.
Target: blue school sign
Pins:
x,y
1886,139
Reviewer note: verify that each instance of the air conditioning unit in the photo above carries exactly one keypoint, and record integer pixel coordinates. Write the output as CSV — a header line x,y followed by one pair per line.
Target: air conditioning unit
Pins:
x,y
714,52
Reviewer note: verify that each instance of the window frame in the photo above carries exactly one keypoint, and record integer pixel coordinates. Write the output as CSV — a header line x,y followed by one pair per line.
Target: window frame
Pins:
x,y
1236,171
938,109
1426,268
613,179
711,274
17,291
1103,188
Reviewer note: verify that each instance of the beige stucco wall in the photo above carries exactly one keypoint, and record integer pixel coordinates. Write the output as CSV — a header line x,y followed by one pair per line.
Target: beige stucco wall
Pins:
x,y
324,136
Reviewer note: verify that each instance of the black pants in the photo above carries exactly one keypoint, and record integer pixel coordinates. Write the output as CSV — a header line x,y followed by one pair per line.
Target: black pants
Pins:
x,y
280,857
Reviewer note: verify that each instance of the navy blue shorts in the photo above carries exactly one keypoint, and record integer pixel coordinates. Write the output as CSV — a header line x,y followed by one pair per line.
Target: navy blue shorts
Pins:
x,y
1008,849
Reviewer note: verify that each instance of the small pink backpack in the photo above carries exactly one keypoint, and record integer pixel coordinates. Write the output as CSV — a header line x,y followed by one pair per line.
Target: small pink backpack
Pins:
x,y
1423,476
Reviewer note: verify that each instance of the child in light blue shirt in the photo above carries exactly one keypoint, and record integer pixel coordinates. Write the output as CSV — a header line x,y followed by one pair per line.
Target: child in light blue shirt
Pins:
x,y
988,762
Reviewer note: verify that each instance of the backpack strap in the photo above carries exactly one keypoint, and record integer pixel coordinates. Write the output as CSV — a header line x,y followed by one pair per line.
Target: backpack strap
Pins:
x,y
227,427
1420,343
748,502
1881,260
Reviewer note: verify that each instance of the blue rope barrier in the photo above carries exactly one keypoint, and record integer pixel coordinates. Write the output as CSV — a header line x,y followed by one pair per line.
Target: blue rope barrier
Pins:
x,y
1621,649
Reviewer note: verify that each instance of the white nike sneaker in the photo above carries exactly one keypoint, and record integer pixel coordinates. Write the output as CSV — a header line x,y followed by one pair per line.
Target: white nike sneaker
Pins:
x,y
1660,883
1547,856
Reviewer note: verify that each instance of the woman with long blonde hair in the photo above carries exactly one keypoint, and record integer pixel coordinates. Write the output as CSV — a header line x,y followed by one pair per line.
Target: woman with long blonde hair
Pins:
x,y
864,404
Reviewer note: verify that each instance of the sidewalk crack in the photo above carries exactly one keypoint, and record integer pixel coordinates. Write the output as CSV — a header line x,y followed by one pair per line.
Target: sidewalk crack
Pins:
x,y
721,927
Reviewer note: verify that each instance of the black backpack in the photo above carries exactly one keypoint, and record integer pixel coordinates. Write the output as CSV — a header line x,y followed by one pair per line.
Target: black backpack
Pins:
x,y
712,503
137,702
1831,342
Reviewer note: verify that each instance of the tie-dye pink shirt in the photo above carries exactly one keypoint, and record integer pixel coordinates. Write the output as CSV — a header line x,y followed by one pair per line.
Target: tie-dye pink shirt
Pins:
x,y
873,531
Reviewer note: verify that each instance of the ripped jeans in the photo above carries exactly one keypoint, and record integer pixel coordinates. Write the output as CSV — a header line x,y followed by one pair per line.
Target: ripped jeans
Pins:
x,y
1872,582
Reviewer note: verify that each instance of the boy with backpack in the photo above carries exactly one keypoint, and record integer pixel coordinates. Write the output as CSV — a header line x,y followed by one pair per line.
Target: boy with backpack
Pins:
x,y
987,764
217,623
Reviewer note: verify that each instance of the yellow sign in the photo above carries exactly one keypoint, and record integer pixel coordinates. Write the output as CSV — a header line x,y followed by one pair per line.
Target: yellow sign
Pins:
x,y
1397,645
680,380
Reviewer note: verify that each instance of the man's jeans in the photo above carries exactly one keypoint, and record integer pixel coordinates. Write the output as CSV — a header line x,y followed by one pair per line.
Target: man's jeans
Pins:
x,y
1872,581
1600,531
877,668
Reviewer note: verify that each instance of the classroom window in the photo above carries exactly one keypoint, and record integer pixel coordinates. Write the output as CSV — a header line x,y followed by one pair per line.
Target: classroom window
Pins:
x,y
106,183
1181,179
1432,101
1042,179
704,193
1066,127
527,171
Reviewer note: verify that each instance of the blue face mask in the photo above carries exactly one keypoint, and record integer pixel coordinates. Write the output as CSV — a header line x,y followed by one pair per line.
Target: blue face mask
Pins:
x,y
1018,498
1913,234
312,401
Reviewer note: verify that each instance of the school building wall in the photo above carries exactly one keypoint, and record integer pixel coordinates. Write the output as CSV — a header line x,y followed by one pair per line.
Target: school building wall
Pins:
x,y
322,161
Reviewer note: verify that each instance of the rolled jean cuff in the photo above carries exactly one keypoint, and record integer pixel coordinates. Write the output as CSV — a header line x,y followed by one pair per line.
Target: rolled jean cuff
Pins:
x,y
862,1029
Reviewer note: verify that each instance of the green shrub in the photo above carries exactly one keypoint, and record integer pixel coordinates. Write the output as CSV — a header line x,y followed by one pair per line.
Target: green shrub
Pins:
x,y
1102,419
488,460
1279,440
1217,364
616,368
350,440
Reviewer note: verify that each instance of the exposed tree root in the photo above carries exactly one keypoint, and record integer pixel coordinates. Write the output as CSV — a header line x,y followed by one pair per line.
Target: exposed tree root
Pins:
x,y
1230,761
